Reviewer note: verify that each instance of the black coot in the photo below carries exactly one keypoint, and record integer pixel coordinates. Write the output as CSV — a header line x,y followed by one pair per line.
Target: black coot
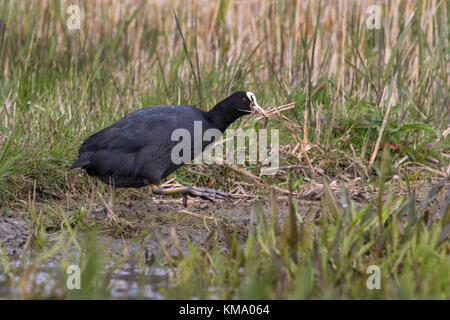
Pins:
x,y
136,150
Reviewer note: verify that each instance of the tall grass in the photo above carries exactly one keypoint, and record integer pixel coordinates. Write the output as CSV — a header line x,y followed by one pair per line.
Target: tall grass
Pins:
x,y
59,85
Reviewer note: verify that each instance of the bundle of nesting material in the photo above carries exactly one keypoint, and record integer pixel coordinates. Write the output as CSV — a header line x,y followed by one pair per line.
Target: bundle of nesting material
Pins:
x,y
275,112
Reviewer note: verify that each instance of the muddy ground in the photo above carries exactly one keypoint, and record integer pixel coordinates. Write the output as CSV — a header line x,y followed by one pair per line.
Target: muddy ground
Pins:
x,y
155,216
135,227
139,226
137,212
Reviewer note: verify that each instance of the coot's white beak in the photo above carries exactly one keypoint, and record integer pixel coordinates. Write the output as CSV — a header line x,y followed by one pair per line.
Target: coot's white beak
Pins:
x,y
254,105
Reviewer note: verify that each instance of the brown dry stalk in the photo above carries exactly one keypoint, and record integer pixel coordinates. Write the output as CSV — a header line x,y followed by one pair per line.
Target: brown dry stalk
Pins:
x,y
198,215
391,102
255,178
274,113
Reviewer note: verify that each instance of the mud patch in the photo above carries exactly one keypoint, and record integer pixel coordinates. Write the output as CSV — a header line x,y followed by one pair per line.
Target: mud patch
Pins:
x,y
13,234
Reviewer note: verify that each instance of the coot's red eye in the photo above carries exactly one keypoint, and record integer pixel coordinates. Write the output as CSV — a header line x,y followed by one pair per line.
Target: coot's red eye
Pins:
x,y
244,100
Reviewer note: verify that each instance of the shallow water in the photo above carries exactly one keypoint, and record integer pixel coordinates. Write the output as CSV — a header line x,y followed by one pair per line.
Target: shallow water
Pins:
x,y
48,281
28,276
122,285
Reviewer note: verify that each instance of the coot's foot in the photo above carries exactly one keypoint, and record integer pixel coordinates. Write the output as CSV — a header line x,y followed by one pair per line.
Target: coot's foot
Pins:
x,y
204,193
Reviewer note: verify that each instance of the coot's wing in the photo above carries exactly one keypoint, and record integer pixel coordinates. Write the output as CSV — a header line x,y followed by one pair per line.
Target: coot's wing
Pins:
x,y
128,134
138,144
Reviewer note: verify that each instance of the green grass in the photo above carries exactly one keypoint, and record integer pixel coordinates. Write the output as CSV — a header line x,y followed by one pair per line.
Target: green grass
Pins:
x,y
57,86
324,259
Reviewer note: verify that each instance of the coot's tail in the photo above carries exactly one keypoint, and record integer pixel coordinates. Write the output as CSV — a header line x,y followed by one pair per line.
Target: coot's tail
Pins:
x,y
83,161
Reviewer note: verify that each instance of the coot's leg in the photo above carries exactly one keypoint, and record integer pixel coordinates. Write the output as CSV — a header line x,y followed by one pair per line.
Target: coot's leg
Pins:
x,y
112,195
204,193
107,208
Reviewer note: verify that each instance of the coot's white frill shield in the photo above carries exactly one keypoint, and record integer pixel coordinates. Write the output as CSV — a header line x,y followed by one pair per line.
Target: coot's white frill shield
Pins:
x,y
254,105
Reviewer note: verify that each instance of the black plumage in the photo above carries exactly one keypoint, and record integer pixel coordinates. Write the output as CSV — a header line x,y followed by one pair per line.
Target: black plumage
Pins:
x,y
136,150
